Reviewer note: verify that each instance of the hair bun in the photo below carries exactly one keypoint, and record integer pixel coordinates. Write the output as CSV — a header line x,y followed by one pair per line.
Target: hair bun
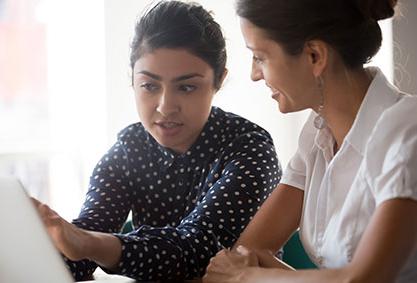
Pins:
x,y
377,9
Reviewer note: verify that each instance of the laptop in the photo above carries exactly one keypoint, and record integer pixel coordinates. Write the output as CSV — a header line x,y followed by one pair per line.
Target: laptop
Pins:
x,y
26,252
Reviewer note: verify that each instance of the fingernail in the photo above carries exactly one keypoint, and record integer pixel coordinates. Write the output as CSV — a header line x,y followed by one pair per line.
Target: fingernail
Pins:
x,y
241,249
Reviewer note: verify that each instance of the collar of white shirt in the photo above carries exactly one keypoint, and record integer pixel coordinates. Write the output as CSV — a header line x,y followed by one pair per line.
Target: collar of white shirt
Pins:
x,y
381,93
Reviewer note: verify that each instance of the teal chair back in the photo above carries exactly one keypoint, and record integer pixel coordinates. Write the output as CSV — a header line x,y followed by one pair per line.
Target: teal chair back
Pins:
x,y
295,255
127,227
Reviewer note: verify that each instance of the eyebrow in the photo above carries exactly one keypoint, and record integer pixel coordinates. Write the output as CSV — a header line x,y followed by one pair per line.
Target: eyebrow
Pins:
x,y
249,47
253,49
177,79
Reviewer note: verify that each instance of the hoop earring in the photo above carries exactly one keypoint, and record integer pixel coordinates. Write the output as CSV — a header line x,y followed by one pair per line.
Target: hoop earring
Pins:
x,y
319,121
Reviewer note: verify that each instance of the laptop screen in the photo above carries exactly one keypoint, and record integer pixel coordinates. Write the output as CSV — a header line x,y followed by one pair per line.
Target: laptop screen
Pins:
x,y
26,252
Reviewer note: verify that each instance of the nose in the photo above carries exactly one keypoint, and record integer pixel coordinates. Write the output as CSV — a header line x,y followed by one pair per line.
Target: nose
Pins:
x,y
168,104
256,73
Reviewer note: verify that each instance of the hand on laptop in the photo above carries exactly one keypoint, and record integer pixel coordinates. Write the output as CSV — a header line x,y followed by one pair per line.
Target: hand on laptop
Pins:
x,y
77,244
67,238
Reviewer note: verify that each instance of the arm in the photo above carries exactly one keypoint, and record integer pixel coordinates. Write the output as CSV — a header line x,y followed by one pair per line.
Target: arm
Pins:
x,y
271,227
215,222
389,240
152,253
77,244
387,243
277,219
106,206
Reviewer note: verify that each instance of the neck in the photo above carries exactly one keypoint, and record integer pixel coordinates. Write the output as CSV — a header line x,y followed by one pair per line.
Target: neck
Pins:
x,y
344,93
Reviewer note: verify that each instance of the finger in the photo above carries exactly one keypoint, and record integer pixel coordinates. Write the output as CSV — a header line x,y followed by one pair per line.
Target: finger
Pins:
x,y
220,262
35,202
49,217
216,262
221,256
243,250
245,256
215,277
44,210
222,252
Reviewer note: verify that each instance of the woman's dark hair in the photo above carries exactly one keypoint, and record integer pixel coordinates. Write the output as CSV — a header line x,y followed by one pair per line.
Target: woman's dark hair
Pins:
x,y
174,24
349,26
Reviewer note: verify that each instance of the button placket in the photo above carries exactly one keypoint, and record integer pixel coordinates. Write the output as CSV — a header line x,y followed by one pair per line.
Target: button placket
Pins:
x,y
182,180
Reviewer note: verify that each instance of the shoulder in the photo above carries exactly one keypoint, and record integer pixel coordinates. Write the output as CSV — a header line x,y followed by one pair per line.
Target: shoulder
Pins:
x,y
235,126
242,139
396,129
130,140
133,131
391,153
134,137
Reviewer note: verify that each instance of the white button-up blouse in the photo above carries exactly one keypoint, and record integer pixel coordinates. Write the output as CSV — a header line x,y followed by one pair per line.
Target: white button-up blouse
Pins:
x,y
377,161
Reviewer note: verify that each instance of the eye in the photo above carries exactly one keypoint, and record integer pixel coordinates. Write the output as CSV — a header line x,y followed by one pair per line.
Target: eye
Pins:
x,y
257,59
187,88
149,87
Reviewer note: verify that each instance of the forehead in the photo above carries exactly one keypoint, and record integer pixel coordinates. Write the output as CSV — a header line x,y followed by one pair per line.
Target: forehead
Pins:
x,y
255,37
172,62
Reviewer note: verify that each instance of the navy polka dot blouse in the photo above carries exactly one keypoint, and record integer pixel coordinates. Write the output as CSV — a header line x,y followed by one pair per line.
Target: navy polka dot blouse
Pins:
x,y
185,207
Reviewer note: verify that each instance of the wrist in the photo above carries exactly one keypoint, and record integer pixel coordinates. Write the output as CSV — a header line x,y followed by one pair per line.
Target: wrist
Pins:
x,y
88,242
103,248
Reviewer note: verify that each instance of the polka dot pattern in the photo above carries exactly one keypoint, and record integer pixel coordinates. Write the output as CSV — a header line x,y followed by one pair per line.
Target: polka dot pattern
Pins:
x,y
185,207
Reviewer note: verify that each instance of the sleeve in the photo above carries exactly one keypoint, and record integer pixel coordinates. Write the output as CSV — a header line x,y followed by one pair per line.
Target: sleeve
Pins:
x,y
391,154
246,178
107,203
295,172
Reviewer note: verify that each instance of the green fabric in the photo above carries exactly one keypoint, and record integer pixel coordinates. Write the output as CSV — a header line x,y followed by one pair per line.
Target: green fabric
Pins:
x,y
127,227
295,255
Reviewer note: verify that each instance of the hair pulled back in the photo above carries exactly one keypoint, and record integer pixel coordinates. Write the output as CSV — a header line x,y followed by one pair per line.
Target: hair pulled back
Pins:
x,y
349,26
175,24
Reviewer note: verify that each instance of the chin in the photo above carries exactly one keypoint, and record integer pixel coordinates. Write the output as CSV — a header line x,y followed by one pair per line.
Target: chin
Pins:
x,y
289,108
284,110
165,144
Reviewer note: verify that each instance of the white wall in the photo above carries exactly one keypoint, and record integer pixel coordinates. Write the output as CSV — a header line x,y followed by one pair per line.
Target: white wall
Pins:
x,y
76,97
405,46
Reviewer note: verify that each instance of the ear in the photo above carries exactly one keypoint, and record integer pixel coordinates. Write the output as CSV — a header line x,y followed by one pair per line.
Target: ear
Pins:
x,y
225,72
318,55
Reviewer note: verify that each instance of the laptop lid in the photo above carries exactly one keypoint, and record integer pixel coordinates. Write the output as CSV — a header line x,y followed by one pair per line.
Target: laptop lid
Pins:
x,y
26,252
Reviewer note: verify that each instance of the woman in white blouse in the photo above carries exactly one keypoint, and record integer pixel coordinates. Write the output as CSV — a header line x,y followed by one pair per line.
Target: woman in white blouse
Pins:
x,y
351,187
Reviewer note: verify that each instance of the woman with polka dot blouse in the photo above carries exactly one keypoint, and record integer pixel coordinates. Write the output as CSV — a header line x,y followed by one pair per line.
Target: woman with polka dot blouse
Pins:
x,y
191,174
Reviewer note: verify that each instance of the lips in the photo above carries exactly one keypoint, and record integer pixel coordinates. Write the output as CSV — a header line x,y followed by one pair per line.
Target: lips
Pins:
x,y
275,92
275,96
168,124
169,128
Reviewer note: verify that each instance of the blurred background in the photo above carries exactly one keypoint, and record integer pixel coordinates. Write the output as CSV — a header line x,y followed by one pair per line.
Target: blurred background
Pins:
x,y
65,87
